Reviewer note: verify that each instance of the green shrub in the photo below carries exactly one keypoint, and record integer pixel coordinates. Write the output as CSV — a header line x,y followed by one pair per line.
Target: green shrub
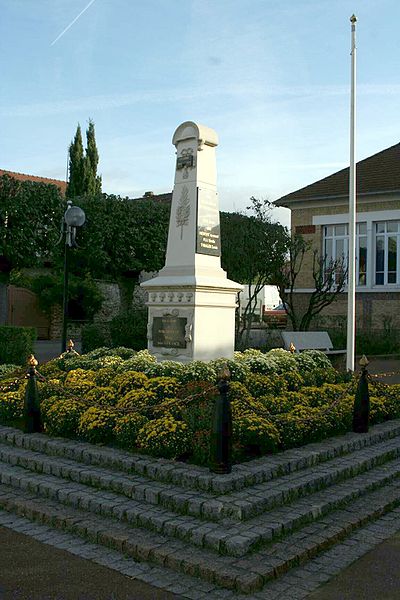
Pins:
x,y
142,361
277,405
61,416
255,434
130,380
52,388
239,371
284,360
98,352
11,406
170,406
309,360
294,380
104,376
138,400
16,344
12,384
129,329
96,425
84,296
123,352
94,335
262,385
102,395
78,376
7,370
163,387
126,429
52,370
165,437
197,370
166,368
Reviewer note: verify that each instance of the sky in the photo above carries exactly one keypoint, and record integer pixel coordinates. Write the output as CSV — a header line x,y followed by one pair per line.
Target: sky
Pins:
x,y
272,78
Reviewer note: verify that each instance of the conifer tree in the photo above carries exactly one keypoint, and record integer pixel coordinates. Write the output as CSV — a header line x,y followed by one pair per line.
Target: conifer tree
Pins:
x,y
92,180
83,178
76,182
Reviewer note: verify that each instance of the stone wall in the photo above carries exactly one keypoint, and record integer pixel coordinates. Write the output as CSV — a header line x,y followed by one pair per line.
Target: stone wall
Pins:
x,y
374,311
111,302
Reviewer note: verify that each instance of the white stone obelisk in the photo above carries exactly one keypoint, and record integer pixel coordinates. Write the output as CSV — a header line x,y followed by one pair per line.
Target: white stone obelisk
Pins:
x,y
191,301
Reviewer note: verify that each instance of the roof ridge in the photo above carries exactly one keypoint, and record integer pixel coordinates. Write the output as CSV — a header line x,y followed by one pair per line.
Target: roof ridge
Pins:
x,y
6,172
378,174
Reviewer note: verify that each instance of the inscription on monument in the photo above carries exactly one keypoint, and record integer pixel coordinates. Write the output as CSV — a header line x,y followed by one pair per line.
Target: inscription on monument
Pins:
x,y
208,230
169,332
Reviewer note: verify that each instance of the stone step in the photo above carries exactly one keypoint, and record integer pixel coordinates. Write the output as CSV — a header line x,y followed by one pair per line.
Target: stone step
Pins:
x,y
193,477
235,539
236,506
245,575
134,487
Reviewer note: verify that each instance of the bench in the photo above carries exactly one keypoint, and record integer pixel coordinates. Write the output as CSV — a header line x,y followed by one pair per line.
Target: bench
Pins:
x,y
312,340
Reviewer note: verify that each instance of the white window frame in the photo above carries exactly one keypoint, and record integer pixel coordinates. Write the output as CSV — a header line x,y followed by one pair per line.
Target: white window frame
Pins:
x,y
386,235
371,218
345,238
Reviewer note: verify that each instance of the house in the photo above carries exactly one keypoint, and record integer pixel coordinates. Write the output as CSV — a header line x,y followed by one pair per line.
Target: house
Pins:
x,y
320,214
62,185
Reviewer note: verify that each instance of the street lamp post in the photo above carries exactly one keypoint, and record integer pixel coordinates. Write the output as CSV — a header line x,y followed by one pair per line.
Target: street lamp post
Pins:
x,y
73,217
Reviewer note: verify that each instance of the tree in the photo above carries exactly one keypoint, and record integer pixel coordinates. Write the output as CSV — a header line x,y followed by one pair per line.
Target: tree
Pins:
x,y
30,219
253,252
329,281
83,178
92,180
120,239
76,182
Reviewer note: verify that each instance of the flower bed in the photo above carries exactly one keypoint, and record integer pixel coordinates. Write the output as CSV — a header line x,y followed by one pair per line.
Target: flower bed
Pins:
x,y
278,399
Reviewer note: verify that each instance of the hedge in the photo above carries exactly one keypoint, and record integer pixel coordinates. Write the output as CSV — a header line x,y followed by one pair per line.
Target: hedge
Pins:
x,y
16,344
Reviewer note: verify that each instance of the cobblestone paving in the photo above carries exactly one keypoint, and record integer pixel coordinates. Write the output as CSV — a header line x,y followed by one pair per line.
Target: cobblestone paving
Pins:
x,y
299,583
185,530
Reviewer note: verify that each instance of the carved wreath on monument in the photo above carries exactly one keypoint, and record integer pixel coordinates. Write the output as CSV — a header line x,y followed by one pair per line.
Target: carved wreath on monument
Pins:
x,y
183,210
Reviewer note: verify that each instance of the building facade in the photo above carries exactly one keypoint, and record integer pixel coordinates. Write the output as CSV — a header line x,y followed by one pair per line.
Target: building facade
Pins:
x,y
320,212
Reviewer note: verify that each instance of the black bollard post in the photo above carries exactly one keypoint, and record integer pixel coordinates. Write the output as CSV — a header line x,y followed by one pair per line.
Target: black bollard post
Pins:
x,y
221,433
361,401
32,415
70,348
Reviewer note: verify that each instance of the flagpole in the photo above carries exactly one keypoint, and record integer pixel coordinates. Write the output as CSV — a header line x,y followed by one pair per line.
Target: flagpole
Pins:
x,y
351,290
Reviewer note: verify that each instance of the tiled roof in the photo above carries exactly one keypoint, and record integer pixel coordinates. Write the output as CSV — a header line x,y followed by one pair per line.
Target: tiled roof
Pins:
x,y
167,197
377,173
23,177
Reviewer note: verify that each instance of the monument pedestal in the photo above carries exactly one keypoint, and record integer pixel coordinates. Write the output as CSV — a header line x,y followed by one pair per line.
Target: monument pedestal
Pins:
x,y
191,301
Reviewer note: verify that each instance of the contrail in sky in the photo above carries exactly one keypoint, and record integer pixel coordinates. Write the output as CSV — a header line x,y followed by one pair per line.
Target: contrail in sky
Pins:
x,y
72,22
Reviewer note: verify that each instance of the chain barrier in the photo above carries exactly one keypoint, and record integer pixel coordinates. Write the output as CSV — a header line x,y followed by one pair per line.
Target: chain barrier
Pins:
x,y
388,374
283,416
152,408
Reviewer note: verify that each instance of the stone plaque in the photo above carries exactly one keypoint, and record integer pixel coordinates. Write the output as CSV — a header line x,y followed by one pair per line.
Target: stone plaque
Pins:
x,y
184,161
169,332
208,230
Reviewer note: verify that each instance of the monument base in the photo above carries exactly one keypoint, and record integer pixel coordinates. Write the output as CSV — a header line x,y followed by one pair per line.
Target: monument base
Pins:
x,y
191,322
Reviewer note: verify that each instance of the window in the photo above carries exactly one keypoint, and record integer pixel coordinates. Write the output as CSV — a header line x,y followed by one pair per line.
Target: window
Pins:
x,y
336,247
387,253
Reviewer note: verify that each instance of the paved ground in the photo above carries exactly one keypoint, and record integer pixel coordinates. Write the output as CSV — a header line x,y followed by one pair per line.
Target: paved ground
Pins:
x,y
375,576
31,570
379,365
